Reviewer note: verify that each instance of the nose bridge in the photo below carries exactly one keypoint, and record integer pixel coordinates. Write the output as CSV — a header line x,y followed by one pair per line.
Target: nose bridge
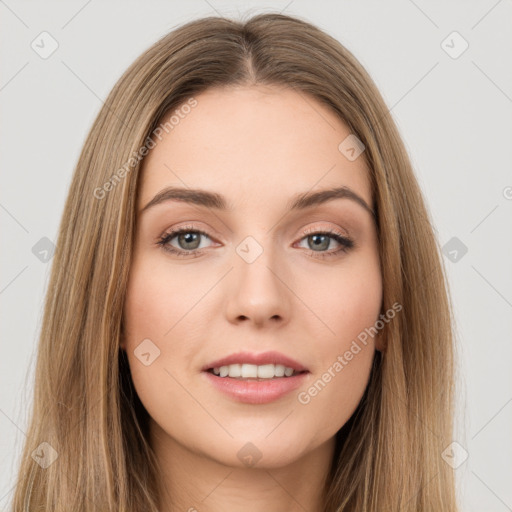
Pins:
x,y
258,292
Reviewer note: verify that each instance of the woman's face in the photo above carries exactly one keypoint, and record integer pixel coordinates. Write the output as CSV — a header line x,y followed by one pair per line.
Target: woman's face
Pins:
x,y
262,278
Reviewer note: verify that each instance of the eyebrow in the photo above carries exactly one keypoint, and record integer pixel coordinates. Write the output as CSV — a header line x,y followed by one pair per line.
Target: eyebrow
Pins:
x,y
217,201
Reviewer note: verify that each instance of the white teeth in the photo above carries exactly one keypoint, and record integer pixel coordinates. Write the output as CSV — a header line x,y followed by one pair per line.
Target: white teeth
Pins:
x,y
279,370
246,371
265,371
234,370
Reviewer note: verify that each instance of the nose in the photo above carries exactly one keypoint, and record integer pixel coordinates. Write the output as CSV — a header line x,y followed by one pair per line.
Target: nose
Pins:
x,y
257,292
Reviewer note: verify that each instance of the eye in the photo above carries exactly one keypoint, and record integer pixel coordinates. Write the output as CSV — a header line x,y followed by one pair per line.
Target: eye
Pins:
x,y
187,238
319,240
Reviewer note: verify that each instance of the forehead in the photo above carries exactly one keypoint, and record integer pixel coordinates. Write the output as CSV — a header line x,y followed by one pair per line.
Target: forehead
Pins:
x,y
251,142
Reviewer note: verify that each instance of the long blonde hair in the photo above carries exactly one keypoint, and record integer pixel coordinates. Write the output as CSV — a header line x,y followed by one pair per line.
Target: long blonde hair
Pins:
x,y
388,455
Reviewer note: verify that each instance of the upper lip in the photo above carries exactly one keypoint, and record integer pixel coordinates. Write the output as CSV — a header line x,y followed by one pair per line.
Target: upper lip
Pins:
x,y
257,359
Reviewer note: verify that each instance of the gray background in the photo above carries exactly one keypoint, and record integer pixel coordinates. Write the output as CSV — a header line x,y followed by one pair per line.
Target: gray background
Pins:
x,y
453,113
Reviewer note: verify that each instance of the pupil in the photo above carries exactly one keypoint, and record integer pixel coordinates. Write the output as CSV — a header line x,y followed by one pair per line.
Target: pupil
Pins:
x,y
190,238
319,243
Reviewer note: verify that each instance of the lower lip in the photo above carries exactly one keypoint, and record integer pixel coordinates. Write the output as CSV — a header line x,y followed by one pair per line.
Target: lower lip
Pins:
x,y
256,391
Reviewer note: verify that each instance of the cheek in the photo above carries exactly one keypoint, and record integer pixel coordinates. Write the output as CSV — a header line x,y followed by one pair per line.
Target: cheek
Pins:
x,y
348,304
332,395
150,311
144,306
159,320
156,300
345,300
157,332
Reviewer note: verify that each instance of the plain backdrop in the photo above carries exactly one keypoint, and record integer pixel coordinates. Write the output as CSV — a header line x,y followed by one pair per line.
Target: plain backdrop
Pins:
x,y
452,105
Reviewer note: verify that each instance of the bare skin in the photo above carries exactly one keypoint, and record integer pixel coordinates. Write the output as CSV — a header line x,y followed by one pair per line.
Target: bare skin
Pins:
x,y
257,146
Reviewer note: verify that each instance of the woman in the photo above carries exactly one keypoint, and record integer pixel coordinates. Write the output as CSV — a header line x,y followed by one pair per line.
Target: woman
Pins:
x,y
246,294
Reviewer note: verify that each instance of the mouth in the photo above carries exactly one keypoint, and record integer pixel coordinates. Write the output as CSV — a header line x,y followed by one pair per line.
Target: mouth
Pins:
x,y
252,372
254,378
255,384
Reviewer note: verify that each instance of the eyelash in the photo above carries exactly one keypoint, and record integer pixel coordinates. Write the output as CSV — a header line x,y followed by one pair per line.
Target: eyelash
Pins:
x,y
345,242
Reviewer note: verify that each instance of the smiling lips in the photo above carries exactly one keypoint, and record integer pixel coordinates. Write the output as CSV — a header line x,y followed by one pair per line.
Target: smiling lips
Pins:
x,y
255,378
